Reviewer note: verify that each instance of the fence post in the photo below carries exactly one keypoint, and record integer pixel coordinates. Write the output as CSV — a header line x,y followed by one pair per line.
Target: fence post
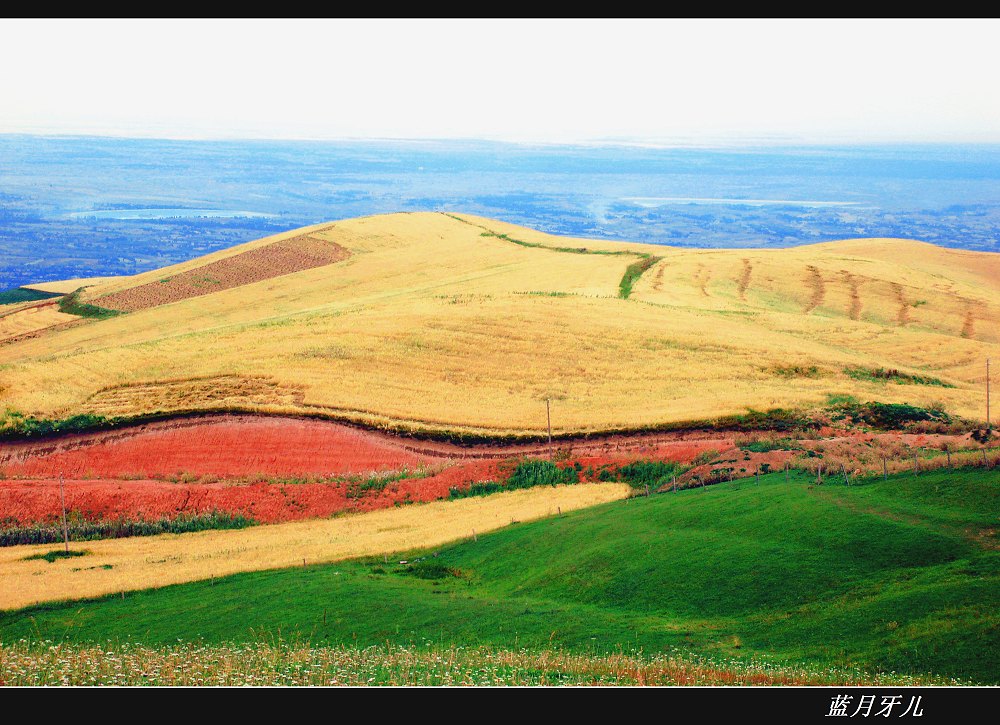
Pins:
x,y
62,499
847,478
885,470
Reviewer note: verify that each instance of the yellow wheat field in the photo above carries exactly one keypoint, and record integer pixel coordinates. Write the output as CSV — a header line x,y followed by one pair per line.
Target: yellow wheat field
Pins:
x,y
156,561
433,325
66,286
31,319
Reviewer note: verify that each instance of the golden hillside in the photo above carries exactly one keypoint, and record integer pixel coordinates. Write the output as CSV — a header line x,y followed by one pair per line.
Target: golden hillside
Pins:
x,y
456,322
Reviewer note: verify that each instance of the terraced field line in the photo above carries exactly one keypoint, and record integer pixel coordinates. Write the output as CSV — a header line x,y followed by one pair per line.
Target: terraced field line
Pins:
x,y
120,565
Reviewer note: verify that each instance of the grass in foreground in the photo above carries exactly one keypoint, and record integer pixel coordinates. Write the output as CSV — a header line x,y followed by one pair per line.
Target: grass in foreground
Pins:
x,y
901,576
46,663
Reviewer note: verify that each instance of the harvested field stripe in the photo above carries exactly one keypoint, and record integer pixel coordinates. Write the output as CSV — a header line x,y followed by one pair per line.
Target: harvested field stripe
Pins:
x,y
854,284
816,287
172,559
743,282
903,311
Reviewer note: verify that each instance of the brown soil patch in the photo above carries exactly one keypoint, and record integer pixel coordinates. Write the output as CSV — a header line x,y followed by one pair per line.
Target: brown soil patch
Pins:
x,y
256,265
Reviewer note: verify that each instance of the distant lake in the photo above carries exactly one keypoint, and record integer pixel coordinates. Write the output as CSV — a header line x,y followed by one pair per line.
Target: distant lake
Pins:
x,y
167,214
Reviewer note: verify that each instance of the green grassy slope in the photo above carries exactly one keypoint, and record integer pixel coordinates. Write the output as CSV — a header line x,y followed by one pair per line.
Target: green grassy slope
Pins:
x,y
14,296
901,575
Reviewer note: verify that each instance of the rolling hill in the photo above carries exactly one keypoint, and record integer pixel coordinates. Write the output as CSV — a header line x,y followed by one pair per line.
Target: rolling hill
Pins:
x,y
453,323
896,576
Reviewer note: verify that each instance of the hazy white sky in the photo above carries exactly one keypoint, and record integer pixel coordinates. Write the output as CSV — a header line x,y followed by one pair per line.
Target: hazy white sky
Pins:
x,y
551,81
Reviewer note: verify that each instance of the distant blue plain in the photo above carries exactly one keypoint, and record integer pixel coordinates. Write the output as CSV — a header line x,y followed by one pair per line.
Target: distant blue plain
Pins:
x,y
76,207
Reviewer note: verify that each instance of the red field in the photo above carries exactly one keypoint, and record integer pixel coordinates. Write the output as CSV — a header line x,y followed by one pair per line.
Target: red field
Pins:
x,y
223,447
280,469
29,501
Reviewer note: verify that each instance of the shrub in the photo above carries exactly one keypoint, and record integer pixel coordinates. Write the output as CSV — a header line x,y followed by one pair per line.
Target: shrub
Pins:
x,y
883,375
774,444
888,416
536,472
654,474
528,474
51,556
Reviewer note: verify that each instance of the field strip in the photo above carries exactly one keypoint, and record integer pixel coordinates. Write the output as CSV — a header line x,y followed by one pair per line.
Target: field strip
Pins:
x,y
119,565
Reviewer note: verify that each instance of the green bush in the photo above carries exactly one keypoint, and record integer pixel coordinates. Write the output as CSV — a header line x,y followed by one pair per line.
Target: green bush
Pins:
x,y
15,424
883,375
778,444
528,474
432,570
536,472
888,416
639,474
51,556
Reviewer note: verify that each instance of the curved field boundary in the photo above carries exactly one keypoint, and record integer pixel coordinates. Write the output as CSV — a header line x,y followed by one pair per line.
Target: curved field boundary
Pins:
x,y
632,273
240,445
120,565
256,265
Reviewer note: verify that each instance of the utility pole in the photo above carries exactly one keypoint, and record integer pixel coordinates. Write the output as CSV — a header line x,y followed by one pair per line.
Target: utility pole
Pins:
x,y
548,420
62,498
988,427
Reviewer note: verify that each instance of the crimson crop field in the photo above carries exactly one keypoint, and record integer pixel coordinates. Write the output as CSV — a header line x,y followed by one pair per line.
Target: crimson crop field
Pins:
x,y
223,447
273,469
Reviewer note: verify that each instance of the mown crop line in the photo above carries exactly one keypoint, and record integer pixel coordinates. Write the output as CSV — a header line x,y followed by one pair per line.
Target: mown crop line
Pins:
x,y
632,273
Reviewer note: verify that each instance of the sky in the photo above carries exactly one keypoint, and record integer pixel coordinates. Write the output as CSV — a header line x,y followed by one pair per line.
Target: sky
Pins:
x,y
648,81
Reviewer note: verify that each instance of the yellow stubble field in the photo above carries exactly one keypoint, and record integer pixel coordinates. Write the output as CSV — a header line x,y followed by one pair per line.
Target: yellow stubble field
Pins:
x,y
436,322
118,565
